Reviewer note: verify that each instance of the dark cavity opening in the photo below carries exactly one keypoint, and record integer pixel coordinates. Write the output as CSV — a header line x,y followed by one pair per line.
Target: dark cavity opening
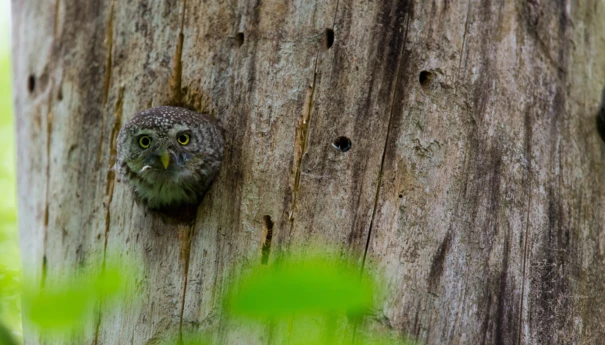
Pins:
x,y
31,83
239,38
60,94
342,144
425,79
329,39
268,236
601,122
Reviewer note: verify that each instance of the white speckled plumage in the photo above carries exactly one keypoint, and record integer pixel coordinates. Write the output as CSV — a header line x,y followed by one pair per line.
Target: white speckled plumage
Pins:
x,y
192,167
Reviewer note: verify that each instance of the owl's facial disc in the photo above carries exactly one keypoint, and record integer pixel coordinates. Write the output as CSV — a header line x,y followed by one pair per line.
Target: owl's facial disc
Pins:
x,y
170,155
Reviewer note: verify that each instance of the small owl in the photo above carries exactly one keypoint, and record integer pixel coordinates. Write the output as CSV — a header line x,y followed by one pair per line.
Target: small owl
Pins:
x,y
170,155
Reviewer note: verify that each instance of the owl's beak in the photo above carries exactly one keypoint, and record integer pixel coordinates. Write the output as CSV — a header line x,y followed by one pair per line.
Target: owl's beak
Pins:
x,y
165,158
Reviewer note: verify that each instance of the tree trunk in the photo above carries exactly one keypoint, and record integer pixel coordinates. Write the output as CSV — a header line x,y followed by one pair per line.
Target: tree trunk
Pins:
x,y
474,180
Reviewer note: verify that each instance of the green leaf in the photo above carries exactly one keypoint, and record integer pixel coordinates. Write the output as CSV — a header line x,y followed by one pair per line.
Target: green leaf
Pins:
x,y
5,337
58,308
67,305
10,305
313,287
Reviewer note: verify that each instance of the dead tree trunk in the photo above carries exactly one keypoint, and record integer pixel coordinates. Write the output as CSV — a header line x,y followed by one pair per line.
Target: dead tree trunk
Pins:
x,y
474,178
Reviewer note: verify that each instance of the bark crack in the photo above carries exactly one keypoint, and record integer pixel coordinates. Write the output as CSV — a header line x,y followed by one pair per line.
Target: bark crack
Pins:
x,y
525,253
185,236
108,68
267,237
113,152
468,13
110,182
528,150
49,127
56,19
176,98
386,143
108,63
301,143
174,93
335,14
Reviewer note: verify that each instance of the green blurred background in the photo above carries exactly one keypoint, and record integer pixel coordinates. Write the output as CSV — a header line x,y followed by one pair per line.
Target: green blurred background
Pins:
x,y
10,261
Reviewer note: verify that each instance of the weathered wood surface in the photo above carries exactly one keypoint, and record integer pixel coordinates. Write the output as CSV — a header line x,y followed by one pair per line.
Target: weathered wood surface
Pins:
x,y
474,181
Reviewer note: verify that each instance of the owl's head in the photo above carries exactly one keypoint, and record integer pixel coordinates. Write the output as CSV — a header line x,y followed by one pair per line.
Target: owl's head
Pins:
x,y
170,155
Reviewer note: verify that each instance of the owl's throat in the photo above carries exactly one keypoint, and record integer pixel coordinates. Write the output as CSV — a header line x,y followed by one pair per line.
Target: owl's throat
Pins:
x,y
160,187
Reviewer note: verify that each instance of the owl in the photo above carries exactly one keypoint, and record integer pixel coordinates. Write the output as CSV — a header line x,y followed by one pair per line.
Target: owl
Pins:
x,y
170,155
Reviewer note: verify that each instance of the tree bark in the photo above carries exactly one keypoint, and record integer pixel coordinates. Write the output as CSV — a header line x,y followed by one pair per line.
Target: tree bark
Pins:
x,y
474,181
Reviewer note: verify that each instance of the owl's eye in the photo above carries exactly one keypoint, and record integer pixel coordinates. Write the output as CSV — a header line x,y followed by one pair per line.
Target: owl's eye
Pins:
x,y
144,141
183,139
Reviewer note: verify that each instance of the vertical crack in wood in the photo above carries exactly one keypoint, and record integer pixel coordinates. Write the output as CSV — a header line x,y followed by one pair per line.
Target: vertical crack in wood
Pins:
x,y
335,15
382,160
108,69
174,92
528,150
175,98
111,172
49,127
185,237
525,251
302,136
97,327
110,182
44,270
468,13
267,236
386,143
56,19
108,63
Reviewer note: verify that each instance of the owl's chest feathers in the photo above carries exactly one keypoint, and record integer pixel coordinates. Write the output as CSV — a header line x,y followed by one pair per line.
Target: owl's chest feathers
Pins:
x,y
164,194
165,191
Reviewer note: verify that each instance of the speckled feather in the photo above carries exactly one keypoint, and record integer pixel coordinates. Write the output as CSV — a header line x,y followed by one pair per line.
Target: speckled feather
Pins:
x,y
192,167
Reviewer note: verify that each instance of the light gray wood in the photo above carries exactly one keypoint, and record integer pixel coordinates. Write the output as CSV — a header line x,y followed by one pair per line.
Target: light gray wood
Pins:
x,y
473,186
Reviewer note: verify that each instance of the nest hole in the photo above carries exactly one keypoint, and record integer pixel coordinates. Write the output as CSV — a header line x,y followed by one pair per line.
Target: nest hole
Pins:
x,y
240,38
329,38
31,83
425,79
342,144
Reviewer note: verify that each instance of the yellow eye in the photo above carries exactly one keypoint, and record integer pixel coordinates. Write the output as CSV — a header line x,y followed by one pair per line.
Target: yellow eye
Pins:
x,y
183,139
144,141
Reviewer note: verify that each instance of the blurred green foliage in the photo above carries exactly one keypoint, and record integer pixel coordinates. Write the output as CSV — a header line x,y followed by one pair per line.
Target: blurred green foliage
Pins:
x,y
313,286
316,301
67,303
10,263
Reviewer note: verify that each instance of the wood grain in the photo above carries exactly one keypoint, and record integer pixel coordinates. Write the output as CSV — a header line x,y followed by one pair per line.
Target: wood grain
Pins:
x,y
473,184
